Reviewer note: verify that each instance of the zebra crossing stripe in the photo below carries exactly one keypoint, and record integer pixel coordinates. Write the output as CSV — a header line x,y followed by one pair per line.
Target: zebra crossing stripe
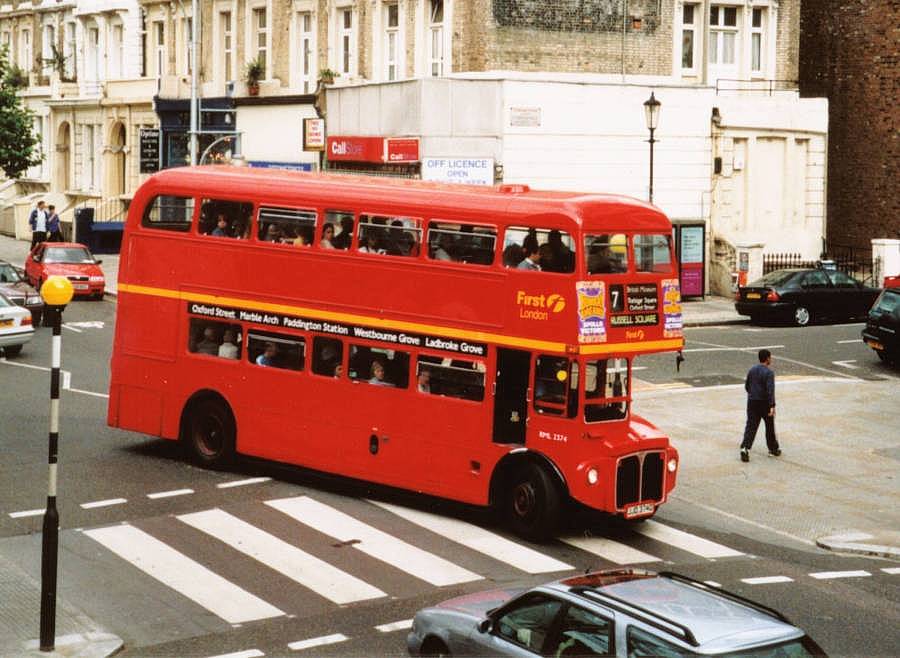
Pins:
x,y
317,642
189,578
249,653
373,542
479,539
308,570
610,550
684,540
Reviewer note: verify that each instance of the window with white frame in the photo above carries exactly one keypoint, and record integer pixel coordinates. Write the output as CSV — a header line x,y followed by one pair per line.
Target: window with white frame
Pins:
x,y
690,20
187,26
723,36
26,62
159,47
69,50
345,40
260,33
92,58
391,39
47,49
306,51
227,32
116,51
757,41
88,150
436,37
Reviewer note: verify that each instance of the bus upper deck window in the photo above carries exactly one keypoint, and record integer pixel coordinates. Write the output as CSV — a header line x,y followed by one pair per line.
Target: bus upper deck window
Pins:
x,y
287,226
170,213
461,243
225,219
534,248
341,233
389,235
607,253
652,253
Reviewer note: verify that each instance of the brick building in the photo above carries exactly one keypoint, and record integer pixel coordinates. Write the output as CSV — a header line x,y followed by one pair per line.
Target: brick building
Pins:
x,y
850,53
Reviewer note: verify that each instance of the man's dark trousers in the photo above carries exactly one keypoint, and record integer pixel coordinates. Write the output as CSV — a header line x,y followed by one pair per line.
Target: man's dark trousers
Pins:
x,y
758,410
37,237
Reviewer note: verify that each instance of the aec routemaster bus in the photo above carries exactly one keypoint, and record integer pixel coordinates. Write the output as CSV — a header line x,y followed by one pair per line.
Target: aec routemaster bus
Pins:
x,y
469,343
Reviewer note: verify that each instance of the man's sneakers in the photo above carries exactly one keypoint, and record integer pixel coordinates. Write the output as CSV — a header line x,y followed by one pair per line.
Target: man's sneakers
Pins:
x,y
775,453
745,455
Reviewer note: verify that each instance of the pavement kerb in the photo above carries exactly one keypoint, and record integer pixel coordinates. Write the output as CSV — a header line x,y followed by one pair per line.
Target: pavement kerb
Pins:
x,y
861,543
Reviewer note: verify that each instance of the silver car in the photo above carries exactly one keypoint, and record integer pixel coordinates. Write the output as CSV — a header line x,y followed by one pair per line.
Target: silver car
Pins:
x,y
15,327
15,286
608,613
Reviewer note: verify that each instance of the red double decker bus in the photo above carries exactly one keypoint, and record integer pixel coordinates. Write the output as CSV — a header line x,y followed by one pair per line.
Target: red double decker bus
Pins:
x,y
474,344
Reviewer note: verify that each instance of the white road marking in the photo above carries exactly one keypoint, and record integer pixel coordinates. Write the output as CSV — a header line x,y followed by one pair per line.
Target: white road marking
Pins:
x,y
66,325
767,580
78,390
825,575
311,572
317,642
685,541
249,653
852,340
104,503
169,494
242,483
23,514
846,364
891,570
184,575
65,377
481,540
609,550
781,357
633,368
373,542
395,626
89,324
728,348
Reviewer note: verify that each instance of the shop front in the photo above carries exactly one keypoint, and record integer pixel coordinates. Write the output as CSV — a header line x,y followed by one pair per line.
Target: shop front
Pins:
x,y
396,157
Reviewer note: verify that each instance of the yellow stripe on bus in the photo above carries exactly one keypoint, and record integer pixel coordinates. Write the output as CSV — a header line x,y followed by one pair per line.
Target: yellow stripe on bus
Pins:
x,y
350,318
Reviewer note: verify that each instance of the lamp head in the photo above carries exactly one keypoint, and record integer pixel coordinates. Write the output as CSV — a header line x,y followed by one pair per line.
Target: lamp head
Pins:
x,y
57,291
651,111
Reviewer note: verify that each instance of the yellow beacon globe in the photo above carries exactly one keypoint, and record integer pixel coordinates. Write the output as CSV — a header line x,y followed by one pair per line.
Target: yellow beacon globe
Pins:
x,y
57,291
618,243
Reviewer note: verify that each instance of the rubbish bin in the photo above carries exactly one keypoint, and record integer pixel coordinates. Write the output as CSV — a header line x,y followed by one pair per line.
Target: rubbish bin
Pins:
x,y
84,223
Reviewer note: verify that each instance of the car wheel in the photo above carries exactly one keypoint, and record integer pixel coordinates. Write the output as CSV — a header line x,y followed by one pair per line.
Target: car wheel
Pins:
x,y
802,316
533,503
209,433
12,350
434,647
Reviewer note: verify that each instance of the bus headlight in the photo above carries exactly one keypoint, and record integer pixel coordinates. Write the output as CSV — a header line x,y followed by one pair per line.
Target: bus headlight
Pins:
x,y
672,465
592,476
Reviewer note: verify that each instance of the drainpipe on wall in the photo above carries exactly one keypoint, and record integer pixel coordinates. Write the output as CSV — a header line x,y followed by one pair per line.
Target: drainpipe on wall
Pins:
x,y
195,37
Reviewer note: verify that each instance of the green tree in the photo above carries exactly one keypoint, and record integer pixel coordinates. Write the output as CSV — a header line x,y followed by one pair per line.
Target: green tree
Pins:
x,y
19,148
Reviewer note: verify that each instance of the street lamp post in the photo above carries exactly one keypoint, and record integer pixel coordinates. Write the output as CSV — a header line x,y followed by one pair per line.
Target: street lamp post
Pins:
x,y
57,292
651,114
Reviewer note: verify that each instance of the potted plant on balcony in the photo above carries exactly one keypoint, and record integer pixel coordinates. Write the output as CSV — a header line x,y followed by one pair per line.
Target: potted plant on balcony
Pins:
x,y
253,74
327,76
16,77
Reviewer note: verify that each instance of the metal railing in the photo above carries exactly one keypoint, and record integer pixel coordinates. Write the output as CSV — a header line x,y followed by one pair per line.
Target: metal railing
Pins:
x,y
852,261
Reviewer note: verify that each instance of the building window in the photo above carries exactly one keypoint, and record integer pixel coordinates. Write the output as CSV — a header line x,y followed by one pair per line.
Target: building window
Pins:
x,y
260,35
47,48
436,37
306,51
227,44
89,161
345,40
723,35
391,39
69,50
116,51
93,53
26,62
159,46
690,14
757,42
187,27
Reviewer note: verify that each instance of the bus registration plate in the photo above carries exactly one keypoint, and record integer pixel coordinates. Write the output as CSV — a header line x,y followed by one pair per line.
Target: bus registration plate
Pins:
x,y
639,509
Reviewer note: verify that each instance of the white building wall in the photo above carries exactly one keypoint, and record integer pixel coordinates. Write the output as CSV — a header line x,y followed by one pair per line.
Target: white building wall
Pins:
x,y
274,132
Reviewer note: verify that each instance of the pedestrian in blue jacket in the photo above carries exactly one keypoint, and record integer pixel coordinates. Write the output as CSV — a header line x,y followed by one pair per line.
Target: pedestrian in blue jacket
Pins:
x,y
37,220
54,234
760,387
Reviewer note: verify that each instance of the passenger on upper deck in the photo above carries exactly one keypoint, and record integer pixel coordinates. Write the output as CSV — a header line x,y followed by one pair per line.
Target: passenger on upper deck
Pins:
x,y
562,259
221,229
343,239
602,260
532,260
327,236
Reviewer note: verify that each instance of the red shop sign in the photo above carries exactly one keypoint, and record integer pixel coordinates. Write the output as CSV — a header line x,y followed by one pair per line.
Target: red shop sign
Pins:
x,y
373,149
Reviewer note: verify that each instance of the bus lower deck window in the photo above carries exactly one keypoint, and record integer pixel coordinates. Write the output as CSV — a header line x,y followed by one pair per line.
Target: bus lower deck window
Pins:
x,y
454,378
214,338
379,366
274,350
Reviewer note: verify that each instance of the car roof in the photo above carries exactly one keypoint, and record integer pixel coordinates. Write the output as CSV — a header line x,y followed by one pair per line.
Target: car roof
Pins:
x,y
683,609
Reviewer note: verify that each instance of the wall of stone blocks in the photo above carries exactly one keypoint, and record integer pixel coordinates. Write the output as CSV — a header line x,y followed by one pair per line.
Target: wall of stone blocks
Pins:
x,y
850,53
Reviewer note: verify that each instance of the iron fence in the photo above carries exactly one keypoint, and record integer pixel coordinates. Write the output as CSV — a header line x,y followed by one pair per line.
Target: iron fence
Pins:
x,y
852,261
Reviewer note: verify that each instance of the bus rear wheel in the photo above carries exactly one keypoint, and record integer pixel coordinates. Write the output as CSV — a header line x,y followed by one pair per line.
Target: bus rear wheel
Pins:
x,y
533,503
210,433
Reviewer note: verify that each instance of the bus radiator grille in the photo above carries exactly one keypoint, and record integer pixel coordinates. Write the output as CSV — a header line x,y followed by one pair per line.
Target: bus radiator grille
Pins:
x,y
628,480
652,476
639,478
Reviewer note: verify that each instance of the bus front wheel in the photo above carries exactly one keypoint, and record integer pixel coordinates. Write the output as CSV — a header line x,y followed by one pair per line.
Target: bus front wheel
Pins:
x,y
210,433
533,503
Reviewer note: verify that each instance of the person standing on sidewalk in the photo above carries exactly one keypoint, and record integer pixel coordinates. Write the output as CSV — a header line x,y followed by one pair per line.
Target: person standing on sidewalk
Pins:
x,y
37,220
54,234
760,387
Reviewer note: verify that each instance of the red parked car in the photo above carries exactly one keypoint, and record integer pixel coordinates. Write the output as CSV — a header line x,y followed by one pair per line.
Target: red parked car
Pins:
x,y
69,259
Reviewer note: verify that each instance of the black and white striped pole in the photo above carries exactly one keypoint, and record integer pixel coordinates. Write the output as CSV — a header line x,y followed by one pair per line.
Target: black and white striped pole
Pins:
x,y
57,292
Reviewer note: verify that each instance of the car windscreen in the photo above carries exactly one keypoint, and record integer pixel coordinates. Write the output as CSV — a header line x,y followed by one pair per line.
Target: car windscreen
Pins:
x,y
4,302
8,274
776,278
887,302
67,255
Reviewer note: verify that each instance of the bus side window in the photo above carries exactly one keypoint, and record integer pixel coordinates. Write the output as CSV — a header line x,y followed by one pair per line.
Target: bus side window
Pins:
x,y
393,236
378,366
553,384
652,253
456,378
461,243
169,213
225,219
328,354
606,389
214,338
341,222
538,249
288,226
274,350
